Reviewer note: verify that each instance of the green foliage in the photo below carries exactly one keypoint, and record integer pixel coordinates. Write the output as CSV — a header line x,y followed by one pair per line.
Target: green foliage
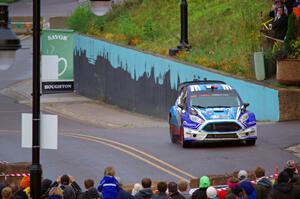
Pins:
x,y
294,52
80,19
222,32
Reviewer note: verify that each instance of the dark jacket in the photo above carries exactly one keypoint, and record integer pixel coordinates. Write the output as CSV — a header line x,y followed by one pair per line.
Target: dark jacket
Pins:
x,y
161,196
109,187
91,193
176,195
186,195
199,194
122,194
284,191
144,194
54,197
279,26
69,192
263,187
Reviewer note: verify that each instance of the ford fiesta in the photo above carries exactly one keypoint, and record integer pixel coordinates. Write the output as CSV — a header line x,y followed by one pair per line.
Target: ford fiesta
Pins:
x,y
209,111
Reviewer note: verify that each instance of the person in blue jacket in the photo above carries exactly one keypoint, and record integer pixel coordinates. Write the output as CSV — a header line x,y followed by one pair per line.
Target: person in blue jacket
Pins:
x,y
246,184
109,185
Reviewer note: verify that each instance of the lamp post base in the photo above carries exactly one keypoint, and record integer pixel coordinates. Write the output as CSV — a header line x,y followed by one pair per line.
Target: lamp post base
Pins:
x,y
35,181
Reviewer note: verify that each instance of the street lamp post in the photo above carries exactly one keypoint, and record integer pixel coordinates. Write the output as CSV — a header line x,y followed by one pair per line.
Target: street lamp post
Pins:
x,y
184,43
36,168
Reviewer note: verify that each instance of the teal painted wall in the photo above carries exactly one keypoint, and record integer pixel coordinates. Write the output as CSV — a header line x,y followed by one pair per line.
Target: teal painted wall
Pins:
x,y
264,101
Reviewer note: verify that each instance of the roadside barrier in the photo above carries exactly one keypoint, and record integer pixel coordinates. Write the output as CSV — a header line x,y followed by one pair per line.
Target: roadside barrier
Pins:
x,y
3,162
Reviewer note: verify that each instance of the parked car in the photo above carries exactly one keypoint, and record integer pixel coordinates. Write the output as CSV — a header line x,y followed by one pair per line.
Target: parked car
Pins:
x,y
210,111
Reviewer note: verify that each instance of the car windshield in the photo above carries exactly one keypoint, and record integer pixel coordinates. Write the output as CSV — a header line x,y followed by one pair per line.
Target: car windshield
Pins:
x,y
214,100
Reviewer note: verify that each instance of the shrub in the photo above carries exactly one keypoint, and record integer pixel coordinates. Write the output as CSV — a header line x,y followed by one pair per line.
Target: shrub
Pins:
x,y
294,52
80,18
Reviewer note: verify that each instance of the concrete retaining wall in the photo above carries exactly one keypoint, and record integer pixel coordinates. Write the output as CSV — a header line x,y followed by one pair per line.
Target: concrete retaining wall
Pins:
x,y
147,84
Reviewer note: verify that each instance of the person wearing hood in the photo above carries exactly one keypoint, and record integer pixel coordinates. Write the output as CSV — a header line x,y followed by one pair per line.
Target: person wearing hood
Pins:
x,y
284,189
183,189
246,184
146,192
173,191
200,193
46,183
109,185
91,192
291,169
263,184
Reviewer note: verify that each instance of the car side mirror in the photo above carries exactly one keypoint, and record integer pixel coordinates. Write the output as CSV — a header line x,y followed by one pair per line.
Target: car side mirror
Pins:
x,y
244,107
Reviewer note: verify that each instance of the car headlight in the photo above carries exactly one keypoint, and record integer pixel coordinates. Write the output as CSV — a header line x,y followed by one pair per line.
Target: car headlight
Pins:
x,y
244,117
196,119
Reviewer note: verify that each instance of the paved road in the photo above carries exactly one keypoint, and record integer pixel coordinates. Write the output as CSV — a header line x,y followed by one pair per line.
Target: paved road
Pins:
x,y
135,152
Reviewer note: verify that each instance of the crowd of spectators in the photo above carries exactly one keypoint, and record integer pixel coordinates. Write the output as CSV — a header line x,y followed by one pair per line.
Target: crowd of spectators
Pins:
x,y
282,12
285,186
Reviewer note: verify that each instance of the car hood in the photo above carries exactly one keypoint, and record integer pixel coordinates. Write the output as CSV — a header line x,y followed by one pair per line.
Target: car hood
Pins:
x,y
220,113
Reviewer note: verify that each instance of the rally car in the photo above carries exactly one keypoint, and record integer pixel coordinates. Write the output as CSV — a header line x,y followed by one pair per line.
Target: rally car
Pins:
x,y
210,111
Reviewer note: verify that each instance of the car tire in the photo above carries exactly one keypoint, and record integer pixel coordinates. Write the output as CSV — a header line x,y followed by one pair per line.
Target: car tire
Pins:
x,y
173,140
183,143
250,142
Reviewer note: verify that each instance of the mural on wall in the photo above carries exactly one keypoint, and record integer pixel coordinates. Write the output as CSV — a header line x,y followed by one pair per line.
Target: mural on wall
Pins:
x,y
148,84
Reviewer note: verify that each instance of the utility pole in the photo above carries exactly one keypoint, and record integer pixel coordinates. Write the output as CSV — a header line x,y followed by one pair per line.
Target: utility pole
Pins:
x,y
184,43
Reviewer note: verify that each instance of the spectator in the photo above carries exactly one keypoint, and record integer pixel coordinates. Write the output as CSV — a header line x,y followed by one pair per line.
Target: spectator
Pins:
x,y
56,193
14,187
283,189
291,169
69,186
203,185
25,186
91,192
173,191
211,193
183,189
122,194
232,183
146,192
296,3
263,184
280,24
109,185
246,184
46,183
6,193
161,188
136,188
238,192
274,9
289,5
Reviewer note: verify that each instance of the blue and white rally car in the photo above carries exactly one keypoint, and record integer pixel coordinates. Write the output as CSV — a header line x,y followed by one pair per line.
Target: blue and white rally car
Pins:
x,y
207,111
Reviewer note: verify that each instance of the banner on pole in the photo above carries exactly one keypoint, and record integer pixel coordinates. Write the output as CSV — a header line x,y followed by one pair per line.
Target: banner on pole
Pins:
x,y
57,61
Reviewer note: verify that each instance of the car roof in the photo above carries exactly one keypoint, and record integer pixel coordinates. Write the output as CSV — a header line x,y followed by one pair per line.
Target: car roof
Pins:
x,y
200,82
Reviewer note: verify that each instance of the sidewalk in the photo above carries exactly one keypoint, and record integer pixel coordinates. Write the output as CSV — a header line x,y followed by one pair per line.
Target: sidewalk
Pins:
x,y
82,109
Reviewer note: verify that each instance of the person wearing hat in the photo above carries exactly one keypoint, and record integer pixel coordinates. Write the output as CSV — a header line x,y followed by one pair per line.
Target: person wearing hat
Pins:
x,y
200,193
211,193
284,189
291,169
246,184
232,183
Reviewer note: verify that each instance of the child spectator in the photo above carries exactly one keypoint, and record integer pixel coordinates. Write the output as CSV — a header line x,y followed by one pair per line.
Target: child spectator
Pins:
x,y
211,193
246,184
109,185
183,189
203,185
56,193
161,188
263,184
136,188
173,191
6,193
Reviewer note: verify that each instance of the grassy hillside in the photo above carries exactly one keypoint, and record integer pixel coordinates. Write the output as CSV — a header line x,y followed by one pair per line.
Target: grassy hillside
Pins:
x,y
222,32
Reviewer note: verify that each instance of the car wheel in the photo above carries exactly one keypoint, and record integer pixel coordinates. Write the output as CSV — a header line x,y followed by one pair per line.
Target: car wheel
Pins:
x,y
183,143
172,135
250,142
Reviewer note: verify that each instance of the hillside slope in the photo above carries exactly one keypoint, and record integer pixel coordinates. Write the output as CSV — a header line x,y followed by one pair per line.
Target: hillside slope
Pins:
x,y
222,32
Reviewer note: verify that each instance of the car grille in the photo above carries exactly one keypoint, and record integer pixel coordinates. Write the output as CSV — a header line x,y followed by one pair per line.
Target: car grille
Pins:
x,y
229,135
222,127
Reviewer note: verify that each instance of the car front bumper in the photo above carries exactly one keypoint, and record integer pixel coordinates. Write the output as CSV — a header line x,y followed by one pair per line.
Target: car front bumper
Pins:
x,y
243,134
